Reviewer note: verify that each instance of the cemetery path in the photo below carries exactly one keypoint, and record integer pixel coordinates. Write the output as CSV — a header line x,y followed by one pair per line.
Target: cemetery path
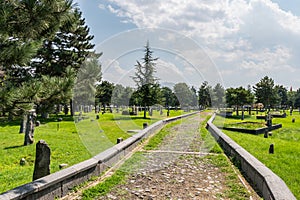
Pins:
x,y
177,169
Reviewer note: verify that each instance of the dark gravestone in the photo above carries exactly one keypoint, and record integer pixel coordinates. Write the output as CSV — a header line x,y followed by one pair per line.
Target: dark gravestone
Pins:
x,y
66,109
293,120
243,114
266,134
37,123
271,149
42,160
97,117
119,140
22,162
29,130
145,125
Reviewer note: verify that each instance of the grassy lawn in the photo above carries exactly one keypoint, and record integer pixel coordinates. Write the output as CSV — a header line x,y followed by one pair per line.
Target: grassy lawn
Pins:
x,y
70,143
285,161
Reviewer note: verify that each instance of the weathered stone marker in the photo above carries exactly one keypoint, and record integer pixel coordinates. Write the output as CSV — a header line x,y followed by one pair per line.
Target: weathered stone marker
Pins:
x,y
23,124
266,134
293,120
29,130
42,160
145,125
271,149
119,140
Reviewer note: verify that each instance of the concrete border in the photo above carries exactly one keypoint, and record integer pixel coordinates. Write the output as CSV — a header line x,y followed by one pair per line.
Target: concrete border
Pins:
x,y
269,185
60,183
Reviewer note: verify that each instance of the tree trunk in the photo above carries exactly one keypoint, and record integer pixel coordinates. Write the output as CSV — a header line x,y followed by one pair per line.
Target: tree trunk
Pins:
x,y
23,124
145,112
71,108
237,110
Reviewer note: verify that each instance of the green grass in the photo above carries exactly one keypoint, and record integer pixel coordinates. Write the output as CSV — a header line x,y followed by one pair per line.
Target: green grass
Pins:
x,y
71,143
65,144
235,188
285,161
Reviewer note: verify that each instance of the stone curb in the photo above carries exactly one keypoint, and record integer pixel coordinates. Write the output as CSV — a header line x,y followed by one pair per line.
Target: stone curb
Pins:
x,y
271,186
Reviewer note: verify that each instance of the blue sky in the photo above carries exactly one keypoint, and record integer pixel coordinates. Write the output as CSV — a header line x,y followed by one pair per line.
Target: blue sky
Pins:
x,y
232,42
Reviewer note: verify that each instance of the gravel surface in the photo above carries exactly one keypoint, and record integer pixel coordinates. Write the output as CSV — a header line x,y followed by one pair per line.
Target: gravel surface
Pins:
x,y
176,170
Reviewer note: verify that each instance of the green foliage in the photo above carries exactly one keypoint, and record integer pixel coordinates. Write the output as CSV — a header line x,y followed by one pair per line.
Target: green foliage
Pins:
x,y
183,94
204,95
121,95
169,99
69,47
104,93
218,96
148,91
265,92
238,96
87,81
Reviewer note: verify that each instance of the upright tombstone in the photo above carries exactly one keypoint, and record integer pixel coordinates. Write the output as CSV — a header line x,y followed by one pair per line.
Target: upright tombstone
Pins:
x,y
23,124
42,160
29,130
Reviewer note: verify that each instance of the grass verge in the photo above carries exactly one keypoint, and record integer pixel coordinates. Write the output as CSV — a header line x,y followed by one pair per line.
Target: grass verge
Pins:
x,y
285,161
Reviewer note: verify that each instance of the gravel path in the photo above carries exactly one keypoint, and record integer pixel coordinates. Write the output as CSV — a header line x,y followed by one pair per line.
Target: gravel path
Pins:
x,y
177,169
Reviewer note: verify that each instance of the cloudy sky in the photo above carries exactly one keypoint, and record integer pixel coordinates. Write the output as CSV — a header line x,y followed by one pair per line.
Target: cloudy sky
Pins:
x,y
232,42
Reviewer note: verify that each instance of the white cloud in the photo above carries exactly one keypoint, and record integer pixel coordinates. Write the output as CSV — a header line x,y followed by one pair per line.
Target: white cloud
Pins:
x,y
241,36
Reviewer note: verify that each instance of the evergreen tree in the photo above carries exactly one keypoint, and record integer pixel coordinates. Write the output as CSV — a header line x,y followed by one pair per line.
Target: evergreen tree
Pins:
x,y
183,94
68,48
104,93
265,92
23,27
204,95
148,90
218,95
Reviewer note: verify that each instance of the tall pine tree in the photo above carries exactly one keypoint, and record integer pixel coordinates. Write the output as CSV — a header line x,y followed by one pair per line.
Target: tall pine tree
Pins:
x,y
148,89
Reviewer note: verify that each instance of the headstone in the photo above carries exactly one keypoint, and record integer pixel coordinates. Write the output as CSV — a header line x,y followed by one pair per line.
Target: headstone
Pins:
x,y
66,109
97,117
22,162
270,133
42,160
23,124
145,125
29,131
266,134
119,140
293,120
37,123
243,114
269,120
271,149
150,112
63,165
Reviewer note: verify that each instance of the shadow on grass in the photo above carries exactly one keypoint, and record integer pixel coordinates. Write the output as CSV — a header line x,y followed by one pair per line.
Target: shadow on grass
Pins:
x,y
131,118
14,147
16,122
238,117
